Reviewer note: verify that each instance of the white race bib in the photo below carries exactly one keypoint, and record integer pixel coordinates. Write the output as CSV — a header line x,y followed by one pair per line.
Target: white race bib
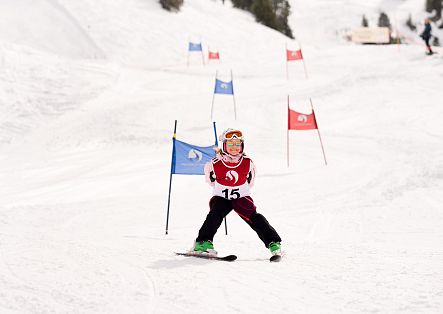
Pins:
x,y
231,192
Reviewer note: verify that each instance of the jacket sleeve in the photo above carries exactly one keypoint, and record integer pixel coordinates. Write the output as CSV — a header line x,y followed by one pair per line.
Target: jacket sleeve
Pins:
x,y
209,173
251,174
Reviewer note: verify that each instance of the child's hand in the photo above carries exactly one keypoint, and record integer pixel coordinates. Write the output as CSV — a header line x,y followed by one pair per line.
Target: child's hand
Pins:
x,y
217,150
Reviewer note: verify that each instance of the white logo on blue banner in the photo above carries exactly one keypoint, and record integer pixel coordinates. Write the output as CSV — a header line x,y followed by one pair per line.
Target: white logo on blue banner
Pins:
x,y
223,87
195,47
191,159
195,154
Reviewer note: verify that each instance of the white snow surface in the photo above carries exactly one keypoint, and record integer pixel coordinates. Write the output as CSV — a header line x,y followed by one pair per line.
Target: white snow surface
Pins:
x,y
89,91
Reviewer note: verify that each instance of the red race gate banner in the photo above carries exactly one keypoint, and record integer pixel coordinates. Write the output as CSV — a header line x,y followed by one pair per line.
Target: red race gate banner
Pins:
x,y
292,55
213,55
301,121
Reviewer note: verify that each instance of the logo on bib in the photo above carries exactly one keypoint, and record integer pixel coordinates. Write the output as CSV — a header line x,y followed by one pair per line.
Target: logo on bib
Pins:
x,y
232,175
194,154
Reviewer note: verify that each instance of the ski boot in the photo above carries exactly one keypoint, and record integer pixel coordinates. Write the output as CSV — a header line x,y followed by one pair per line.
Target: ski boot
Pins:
x,y
275,248
204,247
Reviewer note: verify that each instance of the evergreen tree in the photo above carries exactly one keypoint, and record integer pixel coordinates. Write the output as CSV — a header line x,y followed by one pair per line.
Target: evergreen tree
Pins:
x,y
272,13
434,5
264,12
383,20
171,5
242,4
364,21
282,10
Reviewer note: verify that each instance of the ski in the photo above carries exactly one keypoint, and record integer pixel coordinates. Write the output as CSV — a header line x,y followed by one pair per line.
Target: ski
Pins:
x,y
275,258
227,258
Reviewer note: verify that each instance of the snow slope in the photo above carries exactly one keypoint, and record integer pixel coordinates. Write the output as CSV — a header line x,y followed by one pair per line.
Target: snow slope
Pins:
x,y
88,98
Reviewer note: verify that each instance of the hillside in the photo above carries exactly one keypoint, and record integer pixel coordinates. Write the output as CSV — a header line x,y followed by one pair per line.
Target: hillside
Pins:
x,y
89,92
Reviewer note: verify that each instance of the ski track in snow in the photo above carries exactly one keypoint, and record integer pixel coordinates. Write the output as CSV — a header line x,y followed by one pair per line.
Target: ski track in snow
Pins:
x,y
85,156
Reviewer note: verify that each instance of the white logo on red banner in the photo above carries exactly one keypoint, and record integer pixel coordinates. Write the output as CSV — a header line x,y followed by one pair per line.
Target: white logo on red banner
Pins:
x,y
302,118
292,55
301,121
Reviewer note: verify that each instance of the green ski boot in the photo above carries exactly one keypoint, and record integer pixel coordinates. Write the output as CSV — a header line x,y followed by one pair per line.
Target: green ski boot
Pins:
x,y
275,248
204,247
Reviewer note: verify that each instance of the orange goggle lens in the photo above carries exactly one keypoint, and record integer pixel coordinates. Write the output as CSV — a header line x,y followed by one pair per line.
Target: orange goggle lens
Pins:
x,y
234,134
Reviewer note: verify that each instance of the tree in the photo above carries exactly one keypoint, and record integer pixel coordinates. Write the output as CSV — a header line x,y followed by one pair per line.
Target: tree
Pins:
x,y
434,5
364,21
264,13
272,13
242,4
383,20
283,11
171,5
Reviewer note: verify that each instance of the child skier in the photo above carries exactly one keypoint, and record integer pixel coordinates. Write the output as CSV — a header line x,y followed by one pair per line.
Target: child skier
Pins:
x,y
232,174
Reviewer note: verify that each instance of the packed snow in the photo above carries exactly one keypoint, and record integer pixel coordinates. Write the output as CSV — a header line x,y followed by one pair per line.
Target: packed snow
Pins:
x,y
89,91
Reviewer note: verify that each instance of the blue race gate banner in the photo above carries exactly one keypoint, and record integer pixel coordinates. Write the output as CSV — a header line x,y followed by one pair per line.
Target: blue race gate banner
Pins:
x,y
190,159
195,47
223,87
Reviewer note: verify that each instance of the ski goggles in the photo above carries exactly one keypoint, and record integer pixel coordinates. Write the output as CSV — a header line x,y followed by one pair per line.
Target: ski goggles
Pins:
x,y
232,143
233,134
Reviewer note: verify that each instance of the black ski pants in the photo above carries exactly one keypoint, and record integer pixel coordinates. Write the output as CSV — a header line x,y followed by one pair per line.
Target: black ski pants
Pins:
x,y
245,208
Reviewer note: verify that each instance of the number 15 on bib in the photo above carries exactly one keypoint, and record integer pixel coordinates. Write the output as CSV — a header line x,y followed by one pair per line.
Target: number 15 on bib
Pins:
x,y
231,192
